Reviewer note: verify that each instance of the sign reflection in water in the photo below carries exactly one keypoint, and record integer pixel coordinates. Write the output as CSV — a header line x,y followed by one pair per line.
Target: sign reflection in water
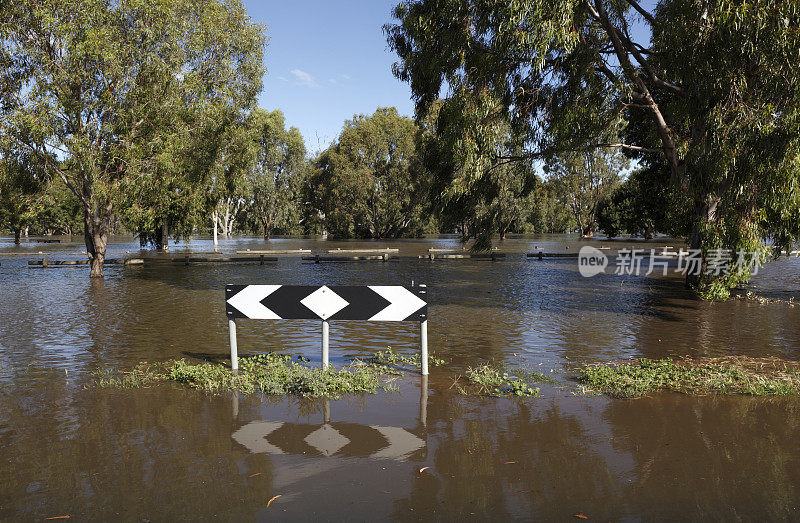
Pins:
x,y
336,438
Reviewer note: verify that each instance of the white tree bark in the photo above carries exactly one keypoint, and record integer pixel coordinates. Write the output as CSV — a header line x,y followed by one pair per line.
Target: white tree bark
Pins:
x,y
214,222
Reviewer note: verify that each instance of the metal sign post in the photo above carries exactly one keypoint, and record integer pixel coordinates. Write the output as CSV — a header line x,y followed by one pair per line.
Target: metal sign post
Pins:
x,y
325,334
340,302
423,347
234,348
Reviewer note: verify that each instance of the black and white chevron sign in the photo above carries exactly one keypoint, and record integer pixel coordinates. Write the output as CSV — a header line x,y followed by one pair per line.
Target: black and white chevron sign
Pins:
x,y
337,302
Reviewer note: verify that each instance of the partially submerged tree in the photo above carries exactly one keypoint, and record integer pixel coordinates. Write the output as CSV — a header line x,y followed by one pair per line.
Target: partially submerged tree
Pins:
x,y
498,202
228,191
550,212
275,178
133,96
645,204
714,96
57,210
586,179
367,183
22,181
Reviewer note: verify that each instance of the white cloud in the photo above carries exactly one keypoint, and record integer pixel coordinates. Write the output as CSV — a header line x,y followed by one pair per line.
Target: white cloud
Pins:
x,y
344,76
303,78
282,79
332,80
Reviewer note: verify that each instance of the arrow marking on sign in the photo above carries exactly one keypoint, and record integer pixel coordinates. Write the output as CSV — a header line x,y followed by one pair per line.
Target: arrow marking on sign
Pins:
x,y
402,303
248,301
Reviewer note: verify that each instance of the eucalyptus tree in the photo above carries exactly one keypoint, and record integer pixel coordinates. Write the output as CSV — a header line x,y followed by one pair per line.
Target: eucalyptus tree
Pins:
x,y
57,210
275,178
644,204
22,181
499,202
133,97
586,179
710,89
368,183
228,193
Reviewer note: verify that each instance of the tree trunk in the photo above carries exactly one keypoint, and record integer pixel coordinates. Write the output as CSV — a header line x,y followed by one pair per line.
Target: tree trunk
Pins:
x,y
214,222
587,231
704,213
96,224
267,229
17,234
226,219
164,236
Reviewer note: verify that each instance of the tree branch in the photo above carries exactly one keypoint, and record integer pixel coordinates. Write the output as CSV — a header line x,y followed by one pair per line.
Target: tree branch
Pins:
x,y
662,128
629,147
641,11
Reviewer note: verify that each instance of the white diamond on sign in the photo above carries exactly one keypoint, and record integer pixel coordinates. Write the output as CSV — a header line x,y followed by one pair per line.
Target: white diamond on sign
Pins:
x,y
327,440
324,302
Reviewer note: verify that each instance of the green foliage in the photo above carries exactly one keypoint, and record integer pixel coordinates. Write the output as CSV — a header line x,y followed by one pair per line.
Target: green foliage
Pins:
x,y
21,182
368,184
277,176
493,381
498,201
137,97
711,101
585,180
715,376
57,210
644,204
550,213
269,373
391,362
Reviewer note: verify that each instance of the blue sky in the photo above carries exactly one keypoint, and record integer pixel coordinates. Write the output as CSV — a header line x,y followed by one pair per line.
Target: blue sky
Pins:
x,y
326,61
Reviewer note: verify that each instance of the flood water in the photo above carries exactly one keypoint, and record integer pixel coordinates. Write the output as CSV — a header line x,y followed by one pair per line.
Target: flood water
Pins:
x,y
68,447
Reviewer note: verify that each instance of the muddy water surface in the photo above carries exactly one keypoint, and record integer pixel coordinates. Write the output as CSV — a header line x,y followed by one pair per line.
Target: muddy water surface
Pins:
x,y
68,447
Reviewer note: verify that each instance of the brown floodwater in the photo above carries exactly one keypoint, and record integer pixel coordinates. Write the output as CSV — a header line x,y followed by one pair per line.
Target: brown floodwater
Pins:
x,y
68,447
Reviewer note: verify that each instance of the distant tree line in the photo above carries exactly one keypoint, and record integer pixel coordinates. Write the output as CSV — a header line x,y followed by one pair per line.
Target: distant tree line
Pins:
x,y
140,116
374,181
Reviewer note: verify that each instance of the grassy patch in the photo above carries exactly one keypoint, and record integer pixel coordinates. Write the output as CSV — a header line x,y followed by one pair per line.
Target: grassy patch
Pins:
x,y
729,375
265,373
489,380
271,373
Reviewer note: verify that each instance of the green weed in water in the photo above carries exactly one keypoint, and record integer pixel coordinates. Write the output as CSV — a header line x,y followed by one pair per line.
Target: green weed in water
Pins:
x,y
494,381
392,362
265,373
731,375
271,373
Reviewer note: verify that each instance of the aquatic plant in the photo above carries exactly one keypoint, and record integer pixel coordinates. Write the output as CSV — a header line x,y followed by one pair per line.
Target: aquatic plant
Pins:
x,y
728,375
493,380
393,362
270,373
